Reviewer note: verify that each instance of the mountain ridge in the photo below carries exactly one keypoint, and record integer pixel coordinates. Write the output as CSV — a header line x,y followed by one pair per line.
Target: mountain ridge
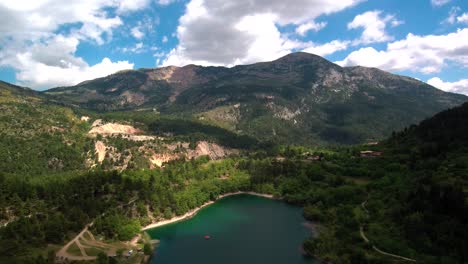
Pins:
x,y
300,94
167,72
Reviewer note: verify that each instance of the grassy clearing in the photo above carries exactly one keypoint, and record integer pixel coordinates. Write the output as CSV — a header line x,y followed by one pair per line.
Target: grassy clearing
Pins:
x,y
93,251
87,236
73,249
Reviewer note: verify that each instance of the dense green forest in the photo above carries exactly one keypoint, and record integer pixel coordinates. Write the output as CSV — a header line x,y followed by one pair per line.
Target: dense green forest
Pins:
x,y
331,191
37,137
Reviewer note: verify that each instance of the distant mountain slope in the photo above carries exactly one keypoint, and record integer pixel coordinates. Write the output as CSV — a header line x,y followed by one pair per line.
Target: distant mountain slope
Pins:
x,y
300,98
13,93
36,136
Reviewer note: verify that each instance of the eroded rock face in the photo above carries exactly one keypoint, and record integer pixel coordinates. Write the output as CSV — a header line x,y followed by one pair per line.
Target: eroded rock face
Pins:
x,y
204,148
283,112
140,138
114,128
152,148
162,74
180,78
97,122
158,159
132,98
100,150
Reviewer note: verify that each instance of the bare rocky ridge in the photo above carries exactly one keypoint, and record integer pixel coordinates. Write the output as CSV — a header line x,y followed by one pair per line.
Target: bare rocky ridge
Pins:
x,y
214,151
181,78
100,150
113,129
158,159
130,89
203,148
154,149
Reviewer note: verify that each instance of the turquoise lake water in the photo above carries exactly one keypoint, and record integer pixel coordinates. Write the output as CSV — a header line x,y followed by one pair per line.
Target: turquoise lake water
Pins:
x,y
243,229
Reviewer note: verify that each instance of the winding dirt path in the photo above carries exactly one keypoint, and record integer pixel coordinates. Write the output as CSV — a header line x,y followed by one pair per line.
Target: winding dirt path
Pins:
x,y
63,254
81,247
134,241
364,237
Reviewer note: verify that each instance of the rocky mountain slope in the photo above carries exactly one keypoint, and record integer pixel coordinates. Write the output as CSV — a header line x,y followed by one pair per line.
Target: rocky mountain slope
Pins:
x,y
57,139
300,98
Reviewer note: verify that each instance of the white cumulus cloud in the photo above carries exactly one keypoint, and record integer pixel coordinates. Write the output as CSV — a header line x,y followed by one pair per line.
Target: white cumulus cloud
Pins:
x,y
131,5
463,18
374,25
328,48
439,2
34,18
136,49
455,16
53,63
136,33
232,39
32,41
306,27
425,54
166,2
460,86
40,75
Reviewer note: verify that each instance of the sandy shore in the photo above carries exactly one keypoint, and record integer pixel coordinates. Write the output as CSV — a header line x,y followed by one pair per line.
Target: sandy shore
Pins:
x,y
193,212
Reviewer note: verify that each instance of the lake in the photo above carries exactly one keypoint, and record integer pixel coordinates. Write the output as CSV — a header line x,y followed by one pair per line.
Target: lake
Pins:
x,y
242,229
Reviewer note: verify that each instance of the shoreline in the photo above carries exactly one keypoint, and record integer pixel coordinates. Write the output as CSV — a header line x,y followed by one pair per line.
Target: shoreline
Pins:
x,y
194,211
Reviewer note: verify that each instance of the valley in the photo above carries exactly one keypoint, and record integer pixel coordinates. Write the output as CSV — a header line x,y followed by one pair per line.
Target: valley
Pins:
x,y
375,161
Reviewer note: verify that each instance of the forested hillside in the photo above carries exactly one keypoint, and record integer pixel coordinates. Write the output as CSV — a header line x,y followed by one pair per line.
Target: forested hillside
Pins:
x,y
38,137
411,201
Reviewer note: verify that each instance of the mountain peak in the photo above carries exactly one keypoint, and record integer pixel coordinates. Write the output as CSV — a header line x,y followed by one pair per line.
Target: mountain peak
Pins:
x,y
300,57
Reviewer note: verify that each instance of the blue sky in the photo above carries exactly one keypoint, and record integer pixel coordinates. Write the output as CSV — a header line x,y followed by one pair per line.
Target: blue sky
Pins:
x,y
49,43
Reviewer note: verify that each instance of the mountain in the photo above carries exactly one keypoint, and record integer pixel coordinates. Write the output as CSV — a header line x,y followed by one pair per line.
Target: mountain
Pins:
x,y
37,136
300,98
14,93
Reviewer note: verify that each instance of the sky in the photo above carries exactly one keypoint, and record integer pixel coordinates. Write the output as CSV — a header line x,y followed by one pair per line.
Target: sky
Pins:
x,y
50,43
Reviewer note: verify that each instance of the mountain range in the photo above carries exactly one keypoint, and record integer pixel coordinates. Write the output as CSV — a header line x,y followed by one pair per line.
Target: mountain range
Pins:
x,y
297,99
